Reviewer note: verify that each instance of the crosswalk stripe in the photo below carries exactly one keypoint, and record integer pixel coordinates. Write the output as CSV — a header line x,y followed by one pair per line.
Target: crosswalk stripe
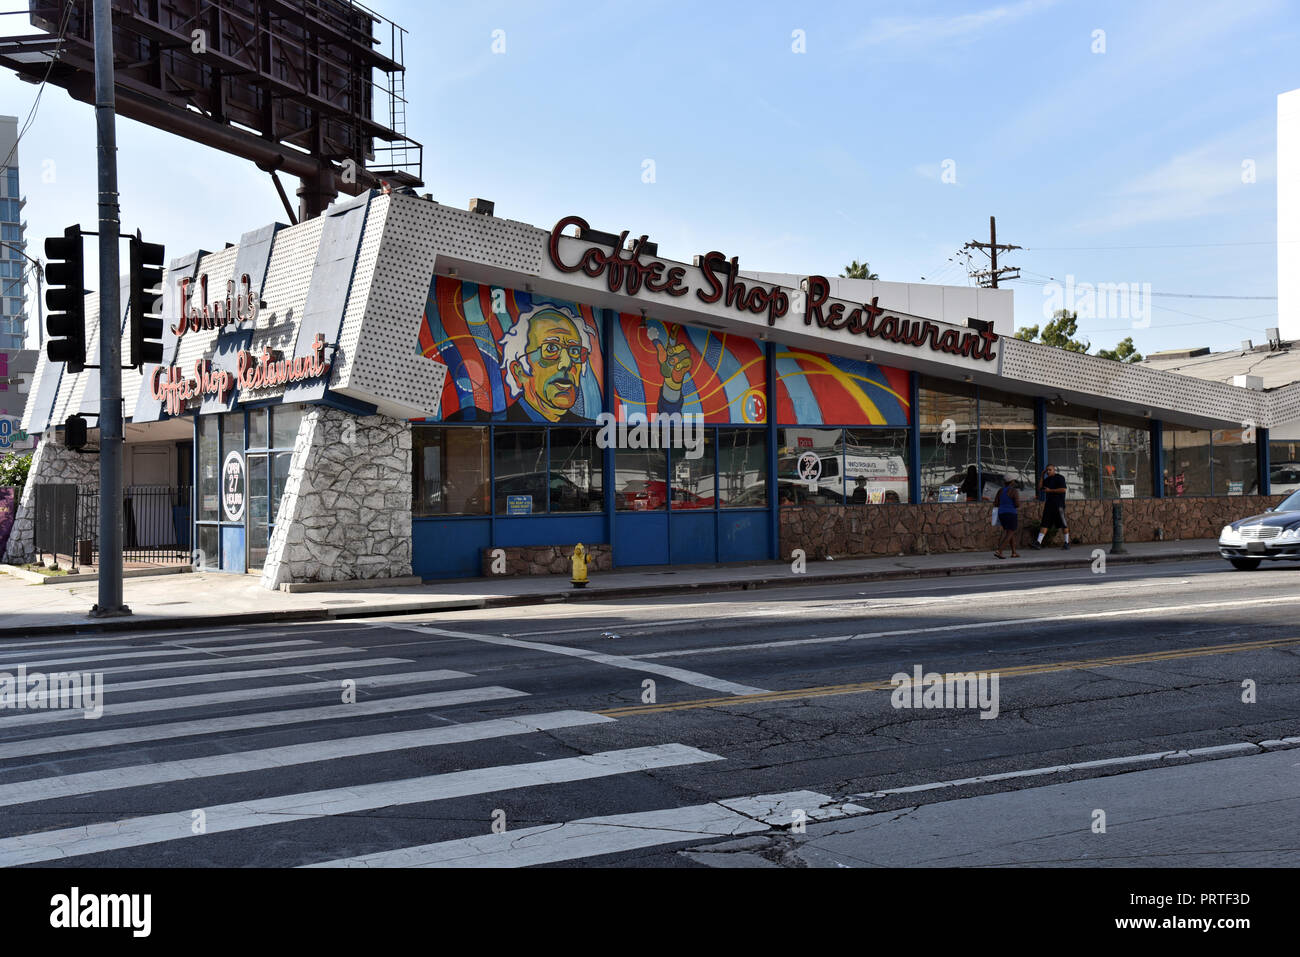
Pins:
x,y
239,722
33,645
610,834
242,762
78,841
156,653
209,662
116,687
695,678
549,843
219,697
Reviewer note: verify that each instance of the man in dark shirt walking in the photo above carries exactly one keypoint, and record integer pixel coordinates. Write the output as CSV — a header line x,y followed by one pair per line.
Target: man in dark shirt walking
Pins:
x,y
1053,485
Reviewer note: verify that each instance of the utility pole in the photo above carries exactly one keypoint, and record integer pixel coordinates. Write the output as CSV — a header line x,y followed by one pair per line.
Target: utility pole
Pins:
x,y
110,327
988,278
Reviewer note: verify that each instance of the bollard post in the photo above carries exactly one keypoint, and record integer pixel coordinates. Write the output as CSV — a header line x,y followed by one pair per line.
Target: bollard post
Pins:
x,y
1117,529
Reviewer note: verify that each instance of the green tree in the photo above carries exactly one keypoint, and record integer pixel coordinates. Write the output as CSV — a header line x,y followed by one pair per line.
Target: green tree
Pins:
x,y
1124,351
857,270
13,471
1061,331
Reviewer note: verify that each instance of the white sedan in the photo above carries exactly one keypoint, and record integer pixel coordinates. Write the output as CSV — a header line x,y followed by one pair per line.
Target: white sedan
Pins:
x,y
1272,536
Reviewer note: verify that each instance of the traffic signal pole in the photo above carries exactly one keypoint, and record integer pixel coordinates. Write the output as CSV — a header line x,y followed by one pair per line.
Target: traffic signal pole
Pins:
x,y
110,327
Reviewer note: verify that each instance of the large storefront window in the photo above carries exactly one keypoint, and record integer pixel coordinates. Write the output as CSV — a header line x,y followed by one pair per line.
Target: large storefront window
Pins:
x,y
285,420
948,435
537,471
809,466
1007,440
742,468
451,471
640,480
693,478
209,462
577,471
875,466
1187,461
1235,463
1074,447
1284,460
520,463
1125,457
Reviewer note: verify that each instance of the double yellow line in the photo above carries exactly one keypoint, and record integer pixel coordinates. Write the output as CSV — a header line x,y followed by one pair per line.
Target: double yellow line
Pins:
x,y
1021,670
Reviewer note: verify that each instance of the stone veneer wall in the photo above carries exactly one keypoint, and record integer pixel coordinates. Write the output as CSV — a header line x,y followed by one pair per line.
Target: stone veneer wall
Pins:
x,y
546,559
51,465
346,509
844,530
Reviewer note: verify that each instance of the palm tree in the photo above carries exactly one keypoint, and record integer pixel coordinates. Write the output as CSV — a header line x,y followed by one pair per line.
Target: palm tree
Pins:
x,y
857,270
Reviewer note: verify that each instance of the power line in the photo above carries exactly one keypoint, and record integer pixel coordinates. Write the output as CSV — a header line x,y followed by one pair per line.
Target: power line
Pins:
x,y
989,277
1271,242
31,114
1166,295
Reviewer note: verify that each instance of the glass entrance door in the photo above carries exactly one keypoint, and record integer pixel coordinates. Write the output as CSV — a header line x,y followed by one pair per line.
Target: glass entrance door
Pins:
x,y
259,510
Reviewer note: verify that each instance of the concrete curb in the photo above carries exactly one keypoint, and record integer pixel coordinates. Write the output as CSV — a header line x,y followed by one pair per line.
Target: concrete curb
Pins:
x,y
36,578
834,578
576,595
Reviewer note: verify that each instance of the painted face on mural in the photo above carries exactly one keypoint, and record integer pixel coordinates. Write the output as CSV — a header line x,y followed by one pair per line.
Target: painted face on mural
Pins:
x,y
552,380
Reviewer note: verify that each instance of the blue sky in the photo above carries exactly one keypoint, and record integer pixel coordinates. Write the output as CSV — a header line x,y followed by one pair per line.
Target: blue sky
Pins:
x,y
1117,166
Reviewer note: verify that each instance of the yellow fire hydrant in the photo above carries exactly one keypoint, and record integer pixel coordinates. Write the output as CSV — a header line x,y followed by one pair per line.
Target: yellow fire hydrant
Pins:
x,y
580,563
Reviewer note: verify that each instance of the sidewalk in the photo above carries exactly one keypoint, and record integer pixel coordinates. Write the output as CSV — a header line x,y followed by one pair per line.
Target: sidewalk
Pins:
x,y
209,599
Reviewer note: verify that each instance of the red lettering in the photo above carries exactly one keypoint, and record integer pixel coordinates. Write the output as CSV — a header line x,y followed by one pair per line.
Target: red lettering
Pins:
x,y
708,263
553,247
819,290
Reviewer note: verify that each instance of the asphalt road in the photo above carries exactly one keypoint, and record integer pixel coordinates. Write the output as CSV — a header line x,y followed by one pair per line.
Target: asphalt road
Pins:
x,y
770,736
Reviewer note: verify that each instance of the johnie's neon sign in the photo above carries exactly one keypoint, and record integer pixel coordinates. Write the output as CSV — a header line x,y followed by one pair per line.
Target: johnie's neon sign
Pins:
x,y
235,308
624,271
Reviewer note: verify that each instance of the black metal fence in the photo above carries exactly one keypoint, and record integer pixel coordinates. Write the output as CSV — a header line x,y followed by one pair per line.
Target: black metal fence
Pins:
x,y
155,523
54,526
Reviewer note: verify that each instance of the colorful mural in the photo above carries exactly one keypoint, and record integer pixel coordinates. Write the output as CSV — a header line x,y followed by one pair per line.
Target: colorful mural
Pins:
x,y
815,389
512,356
665,367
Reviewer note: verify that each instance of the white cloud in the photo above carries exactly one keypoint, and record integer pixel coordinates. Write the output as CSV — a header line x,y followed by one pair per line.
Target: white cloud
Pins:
x,y
895,30
1202,181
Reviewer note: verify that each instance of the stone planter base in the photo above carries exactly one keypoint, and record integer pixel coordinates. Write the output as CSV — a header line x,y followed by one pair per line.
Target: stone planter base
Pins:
x,y
932,528
544,560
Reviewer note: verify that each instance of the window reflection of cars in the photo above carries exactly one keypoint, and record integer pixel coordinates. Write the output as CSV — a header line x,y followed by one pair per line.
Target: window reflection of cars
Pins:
x,y
1271,536
565,495
641,496
753,497
793,492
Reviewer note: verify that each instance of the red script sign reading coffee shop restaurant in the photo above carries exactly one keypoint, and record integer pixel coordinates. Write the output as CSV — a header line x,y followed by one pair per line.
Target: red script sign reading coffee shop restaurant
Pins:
x,y
172,385
624,271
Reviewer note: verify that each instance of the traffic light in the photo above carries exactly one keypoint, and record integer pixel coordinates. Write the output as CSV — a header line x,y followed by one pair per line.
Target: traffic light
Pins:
x,y
146,287
65,272
74,433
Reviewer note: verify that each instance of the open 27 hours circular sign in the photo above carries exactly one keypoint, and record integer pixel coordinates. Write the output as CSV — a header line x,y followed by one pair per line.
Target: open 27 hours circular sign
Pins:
x,y
232,487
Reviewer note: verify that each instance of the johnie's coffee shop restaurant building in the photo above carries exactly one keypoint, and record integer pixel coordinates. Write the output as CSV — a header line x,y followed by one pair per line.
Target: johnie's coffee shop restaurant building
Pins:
x,y
401,387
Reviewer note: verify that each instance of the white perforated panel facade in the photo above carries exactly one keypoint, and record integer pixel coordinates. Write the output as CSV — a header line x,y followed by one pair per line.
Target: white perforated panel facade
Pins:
x,y
388,369
359,295
1059,370
43,369
1284,409
219,267
288,277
